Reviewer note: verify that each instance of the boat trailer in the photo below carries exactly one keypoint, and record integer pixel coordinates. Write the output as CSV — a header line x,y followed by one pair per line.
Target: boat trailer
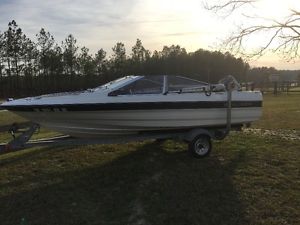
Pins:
x,y
198,139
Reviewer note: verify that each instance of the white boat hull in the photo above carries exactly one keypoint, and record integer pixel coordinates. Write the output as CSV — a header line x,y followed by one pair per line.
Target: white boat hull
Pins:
x,y
116,123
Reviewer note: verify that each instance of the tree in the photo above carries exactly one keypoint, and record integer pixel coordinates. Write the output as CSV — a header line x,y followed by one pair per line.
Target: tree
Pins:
x,y
69,54
139,56
282,36
13,41
118,59
100,61
13,56
2,54
261,75
30,56
139,53
56,59
173,59
86,62
173,51
119,52
45,43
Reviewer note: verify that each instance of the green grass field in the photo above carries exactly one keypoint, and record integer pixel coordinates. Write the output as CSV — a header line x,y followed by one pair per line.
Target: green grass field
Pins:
x,y
248,179
295,89
280,112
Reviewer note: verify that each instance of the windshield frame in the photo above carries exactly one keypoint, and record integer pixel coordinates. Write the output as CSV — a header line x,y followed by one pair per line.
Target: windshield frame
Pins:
x,y
117,91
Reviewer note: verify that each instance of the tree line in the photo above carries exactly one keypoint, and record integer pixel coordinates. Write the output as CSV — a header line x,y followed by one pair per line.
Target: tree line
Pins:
x,y
32,67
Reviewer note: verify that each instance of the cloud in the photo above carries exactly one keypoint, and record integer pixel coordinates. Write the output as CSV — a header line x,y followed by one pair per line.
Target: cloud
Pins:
x,y
189,33
64,15
101,23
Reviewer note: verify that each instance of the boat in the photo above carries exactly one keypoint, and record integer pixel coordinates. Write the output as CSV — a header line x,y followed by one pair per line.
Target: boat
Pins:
x,y
146,103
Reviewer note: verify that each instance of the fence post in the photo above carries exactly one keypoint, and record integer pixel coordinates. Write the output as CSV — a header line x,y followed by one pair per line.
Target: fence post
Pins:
x,y
275,88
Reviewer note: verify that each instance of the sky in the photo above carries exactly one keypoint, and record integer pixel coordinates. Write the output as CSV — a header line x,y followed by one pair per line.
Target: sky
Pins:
x,y
102,23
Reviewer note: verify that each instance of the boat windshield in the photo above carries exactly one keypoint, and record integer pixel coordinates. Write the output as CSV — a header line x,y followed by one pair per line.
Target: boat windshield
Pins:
x,y
115,83
179,83
155,85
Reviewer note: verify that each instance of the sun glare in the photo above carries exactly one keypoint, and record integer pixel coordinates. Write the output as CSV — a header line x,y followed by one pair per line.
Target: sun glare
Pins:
x,y
193,27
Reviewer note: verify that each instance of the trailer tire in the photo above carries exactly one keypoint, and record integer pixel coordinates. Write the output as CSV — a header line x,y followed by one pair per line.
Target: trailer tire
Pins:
x,y
200,146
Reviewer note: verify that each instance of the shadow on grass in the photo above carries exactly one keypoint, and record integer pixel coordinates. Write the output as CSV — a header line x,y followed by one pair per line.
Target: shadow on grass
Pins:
x,y
148,186
25,154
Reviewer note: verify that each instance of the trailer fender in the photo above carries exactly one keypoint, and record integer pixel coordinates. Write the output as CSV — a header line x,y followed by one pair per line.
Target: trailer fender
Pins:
x,y
190,135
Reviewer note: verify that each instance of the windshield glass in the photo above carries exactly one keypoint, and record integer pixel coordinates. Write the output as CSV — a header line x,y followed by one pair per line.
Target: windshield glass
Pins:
x,y
145,85
176,83
115,83
154,85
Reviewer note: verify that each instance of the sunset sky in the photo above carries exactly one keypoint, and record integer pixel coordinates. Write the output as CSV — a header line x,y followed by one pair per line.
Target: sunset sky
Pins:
x,y
101,23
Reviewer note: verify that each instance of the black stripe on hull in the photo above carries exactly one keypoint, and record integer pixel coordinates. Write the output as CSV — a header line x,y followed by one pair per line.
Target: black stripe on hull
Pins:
x,y
133,106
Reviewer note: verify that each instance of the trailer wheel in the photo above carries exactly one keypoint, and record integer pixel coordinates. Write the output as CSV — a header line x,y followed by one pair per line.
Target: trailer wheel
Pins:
x,y
200,146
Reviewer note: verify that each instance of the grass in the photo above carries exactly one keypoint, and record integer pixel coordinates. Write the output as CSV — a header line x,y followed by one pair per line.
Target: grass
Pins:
x,y
248,179
280,112
7,118
295,89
